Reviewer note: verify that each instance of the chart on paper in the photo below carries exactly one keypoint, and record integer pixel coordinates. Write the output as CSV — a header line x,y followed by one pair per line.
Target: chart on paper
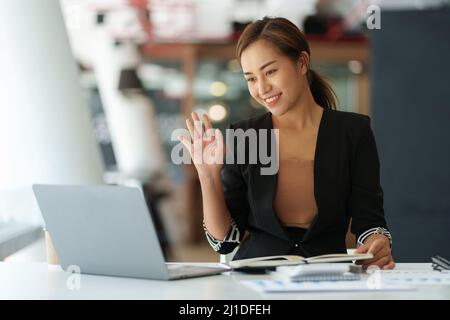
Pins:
x,y
274,286
414,277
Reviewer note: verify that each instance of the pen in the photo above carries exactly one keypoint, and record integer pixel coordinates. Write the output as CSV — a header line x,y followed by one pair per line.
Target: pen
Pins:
x,y
440,263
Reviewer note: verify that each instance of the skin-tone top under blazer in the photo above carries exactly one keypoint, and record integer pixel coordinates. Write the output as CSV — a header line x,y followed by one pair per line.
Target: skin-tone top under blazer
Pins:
x,y
294,198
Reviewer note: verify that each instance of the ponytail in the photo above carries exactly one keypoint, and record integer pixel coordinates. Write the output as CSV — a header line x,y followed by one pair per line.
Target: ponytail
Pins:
x,y
321,90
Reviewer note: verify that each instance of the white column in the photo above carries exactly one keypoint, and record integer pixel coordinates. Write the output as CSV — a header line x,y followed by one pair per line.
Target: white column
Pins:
x,y
131,119
45,132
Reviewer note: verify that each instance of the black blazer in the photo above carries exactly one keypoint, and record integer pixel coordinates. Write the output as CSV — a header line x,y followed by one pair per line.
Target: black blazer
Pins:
x,y
346,185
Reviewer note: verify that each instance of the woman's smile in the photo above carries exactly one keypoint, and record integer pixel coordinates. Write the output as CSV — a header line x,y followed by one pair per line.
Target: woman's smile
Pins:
x,y
271,101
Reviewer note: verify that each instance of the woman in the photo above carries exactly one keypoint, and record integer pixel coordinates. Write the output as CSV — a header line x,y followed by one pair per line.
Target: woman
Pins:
x,y
328,162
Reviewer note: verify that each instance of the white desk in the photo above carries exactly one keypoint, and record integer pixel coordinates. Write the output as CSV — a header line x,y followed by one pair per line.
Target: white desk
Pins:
x,y
27,280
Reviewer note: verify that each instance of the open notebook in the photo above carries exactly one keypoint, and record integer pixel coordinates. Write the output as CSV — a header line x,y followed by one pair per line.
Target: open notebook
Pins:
x,y
289,260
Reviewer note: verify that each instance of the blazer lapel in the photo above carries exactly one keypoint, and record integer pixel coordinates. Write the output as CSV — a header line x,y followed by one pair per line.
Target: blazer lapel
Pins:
x,y
325,174
263,187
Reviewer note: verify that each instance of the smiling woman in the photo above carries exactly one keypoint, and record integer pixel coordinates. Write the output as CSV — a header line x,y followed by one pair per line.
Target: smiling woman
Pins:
x,y
328,162
274,46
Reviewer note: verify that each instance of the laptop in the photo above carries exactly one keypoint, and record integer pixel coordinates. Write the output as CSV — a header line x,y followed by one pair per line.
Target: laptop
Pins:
x,y
108,230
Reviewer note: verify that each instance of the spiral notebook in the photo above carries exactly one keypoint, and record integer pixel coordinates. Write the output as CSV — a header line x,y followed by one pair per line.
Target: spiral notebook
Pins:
x,y
318,272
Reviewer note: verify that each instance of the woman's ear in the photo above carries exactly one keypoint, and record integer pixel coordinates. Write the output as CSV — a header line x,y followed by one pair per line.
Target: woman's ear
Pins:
x,y
304,62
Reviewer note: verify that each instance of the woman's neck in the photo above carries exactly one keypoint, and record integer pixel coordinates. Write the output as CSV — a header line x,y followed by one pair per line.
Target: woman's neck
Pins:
x,y
305,114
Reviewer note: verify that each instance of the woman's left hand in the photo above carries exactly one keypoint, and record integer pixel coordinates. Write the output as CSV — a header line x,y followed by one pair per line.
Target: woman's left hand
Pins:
x,y
380,247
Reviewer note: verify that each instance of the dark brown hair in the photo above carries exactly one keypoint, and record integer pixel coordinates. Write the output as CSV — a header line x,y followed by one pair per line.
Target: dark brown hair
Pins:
x,y
290,41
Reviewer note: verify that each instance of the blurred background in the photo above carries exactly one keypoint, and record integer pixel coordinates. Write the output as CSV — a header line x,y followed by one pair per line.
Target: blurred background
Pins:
x,y
91,92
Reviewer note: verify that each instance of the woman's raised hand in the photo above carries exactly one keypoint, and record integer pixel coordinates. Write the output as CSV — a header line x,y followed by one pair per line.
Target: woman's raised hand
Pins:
x,y
206,146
